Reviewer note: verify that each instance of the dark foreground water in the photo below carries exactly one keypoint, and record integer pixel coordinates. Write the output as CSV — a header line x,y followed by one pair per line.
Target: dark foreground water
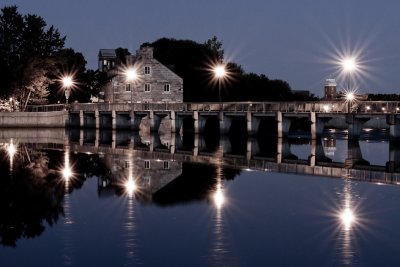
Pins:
x,y
122,208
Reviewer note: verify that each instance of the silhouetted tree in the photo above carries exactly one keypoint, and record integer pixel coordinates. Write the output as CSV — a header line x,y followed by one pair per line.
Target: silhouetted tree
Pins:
x,y
86,82
26,47
384,97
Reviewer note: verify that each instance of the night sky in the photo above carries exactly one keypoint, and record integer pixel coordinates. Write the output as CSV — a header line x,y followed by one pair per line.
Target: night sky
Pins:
x,y
299,41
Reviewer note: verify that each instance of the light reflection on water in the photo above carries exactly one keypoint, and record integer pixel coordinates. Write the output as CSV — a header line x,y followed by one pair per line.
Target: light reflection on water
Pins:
x,y
219,249
128,233
348,220
66,175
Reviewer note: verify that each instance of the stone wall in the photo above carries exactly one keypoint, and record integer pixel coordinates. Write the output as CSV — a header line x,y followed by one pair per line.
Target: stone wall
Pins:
x,y
55,119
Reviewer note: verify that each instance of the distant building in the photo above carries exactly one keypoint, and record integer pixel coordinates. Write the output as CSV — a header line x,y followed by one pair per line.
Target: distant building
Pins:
x,y
155,83
330,89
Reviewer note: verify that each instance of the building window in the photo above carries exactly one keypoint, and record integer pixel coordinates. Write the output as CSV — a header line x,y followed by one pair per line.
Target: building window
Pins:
x,y
126,164
167,88
147,87
147,164
127,87
147,70
166,165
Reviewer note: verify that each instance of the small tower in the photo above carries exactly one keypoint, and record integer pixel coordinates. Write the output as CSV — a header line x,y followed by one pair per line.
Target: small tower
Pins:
x,y
330,89
107,59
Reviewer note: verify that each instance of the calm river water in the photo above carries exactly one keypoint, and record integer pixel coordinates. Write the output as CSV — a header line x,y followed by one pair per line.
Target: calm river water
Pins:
x,y
116,199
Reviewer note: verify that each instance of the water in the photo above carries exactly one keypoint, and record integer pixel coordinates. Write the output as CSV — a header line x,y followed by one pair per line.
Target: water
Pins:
x,y
195,212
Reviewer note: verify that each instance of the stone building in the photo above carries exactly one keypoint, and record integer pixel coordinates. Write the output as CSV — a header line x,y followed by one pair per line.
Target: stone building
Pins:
x,y
330,89
155,82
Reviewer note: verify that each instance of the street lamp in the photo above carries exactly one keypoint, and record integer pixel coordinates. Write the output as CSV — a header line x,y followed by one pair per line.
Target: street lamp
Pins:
x,y
349,65
67,84
350,97
131,76
219,73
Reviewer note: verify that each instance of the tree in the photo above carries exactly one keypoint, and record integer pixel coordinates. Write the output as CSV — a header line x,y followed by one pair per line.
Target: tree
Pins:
x,y
26,52
87,83
216,47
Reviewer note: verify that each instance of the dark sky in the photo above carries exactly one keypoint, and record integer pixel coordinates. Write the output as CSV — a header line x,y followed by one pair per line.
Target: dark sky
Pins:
x,y
299,41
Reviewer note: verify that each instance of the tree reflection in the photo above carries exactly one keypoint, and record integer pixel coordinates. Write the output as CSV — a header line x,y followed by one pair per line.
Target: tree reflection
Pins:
x,y
33,195
196,183
28,199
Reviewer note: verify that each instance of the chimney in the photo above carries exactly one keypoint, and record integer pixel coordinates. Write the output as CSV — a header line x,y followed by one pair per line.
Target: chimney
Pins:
x,y
145,52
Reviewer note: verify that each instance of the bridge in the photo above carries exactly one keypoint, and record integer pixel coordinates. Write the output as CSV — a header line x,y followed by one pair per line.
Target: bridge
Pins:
x,y
251,115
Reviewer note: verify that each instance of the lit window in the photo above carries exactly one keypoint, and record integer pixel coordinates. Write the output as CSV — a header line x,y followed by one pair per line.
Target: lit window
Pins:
x,y
167,88
147,87
146,70
166,165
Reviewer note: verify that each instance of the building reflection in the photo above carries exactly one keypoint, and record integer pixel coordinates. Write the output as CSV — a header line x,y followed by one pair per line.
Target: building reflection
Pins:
x,y
329,146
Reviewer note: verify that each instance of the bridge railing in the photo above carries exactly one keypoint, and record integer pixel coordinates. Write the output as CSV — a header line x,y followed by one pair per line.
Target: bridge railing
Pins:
x,y
375,107
45,108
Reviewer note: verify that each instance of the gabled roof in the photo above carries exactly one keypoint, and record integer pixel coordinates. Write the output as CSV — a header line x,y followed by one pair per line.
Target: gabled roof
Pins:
x,y
107,54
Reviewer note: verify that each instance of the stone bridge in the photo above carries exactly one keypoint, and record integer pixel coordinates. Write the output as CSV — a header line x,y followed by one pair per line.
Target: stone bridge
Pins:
x,y
251,115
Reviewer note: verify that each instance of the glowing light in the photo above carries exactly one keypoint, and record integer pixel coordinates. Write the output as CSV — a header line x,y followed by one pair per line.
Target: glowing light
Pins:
x,y
67,172
130,186
349,64
326,108
11,150
67,81
350,96
383,109
348,219
219,71
368,107
131,74
219,198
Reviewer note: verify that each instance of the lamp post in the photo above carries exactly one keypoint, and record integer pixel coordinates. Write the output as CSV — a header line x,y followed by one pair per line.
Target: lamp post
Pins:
x,y
349,65
349,98
67,84
131,76
219,73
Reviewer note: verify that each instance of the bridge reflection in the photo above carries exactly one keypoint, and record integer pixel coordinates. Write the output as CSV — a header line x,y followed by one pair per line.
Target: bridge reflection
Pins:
x,y
157,159
264,154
